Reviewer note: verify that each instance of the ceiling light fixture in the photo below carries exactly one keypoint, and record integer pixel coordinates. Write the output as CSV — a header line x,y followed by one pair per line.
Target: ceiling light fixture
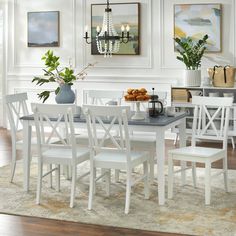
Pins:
x,y
107,39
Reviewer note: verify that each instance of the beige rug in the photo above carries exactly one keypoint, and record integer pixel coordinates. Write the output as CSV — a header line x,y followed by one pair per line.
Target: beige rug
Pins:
x,y
186,213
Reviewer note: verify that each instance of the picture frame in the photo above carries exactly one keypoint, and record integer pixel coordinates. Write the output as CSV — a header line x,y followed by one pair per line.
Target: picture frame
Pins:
x,y
197,20
43,29
122,14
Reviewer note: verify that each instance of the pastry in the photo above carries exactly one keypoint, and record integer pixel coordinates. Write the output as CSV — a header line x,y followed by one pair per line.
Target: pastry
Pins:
x,y
136,95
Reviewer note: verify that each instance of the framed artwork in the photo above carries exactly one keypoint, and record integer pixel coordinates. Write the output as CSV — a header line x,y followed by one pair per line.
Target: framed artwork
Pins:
x,y
43,29
197,20
122,14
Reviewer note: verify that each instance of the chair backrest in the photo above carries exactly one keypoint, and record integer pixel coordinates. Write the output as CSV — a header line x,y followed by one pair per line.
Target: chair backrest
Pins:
x,y
50,121
106,117
211,118
101,97
16,107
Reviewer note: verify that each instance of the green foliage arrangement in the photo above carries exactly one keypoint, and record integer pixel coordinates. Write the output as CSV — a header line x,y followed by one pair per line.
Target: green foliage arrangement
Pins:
x,y
191,52
52,73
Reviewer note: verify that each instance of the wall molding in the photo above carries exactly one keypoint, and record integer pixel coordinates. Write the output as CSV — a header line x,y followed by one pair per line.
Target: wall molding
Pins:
x,y
17,65
3,71
105,79
164,66
234,29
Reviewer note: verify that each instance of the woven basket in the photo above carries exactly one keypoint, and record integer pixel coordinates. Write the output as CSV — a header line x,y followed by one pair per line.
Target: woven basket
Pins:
x,y
222,76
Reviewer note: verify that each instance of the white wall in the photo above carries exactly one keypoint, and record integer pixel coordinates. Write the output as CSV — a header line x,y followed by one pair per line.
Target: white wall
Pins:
x,y
155,66
3,58
1,63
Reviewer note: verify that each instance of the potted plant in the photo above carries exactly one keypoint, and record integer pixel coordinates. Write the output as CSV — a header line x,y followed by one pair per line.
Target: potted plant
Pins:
x,y
64,77
191,53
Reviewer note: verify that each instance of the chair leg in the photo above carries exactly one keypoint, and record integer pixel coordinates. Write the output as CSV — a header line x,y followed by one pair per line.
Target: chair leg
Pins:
x,y
108,182
207,183
73,185
13,163
183,172
225,168
151,165
91,187
49,168
176,139
69,172
128,191
58,173
194,174
39,185
232,141
146,180
117,175
170,177
95,176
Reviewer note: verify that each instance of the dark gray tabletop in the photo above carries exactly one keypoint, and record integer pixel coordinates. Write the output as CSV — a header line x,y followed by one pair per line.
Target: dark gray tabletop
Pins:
x,y
161,120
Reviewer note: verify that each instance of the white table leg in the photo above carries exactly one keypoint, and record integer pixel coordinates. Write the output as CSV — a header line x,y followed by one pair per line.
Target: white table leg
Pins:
x,y
182,143
160,151
26,153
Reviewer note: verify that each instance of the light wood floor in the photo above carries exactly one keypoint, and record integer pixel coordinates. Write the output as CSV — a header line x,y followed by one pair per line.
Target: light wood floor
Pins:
x,y
31,226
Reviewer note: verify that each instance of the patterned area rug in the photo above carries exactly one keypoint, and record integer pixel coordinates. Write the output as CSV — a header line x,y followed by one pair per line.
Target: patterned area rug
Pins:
x,y
186,213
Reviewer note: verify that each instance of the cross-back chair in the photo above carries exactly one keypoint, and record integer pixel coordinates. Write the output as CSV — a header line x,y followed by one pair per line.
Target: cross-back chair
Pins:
x,y
206,126
16,107
49,120
103,97
98,97
118,156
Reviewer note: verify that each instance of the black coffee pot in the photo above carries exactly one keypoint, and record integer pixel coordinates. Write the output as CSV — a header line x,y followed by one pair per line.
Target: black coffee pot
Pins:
x,y
155,107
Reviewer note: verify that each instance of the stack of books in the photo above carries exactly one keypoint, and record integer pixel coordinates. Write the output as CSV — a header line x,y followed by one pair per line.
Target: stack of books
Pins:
x,y
180,95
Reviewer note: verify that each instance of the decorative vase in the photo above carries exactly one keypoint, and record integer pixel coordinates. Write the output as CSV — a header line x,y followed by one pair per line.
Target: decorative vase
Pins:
x,y
192,78
65,95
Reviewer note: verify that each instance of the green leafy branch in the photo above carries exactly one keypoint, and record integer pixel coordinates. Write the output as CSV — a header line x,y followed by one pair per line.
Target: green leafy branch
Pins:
x,y
52,74
191,52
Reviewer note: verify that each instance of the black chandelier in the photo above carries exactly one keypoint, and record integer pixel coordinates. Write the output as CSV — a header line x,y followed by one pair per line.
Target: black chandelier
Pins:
x,y
107,39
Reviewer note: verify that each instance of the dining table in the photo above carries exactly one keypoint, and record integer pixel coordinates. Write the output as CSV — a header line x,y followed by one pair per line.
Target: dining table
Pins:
x,y
157,126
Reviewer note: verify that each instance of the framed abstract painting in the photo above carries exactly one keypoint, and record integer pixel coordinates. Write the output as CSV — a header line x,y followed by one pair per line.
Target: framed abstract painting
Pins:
x,y
197,20
43,29
122,14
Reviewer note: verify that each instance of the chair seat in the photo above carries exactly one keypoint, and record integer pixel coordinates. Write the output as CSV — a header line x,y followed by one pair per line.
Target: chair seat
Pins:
x,y
143,141
188,153
64,156
82,138
143,138
118,160
19,143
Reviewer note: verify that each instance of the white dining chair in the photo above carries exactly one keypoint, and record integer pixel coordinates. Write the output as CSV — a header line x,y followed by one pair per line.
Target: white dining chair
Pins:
x,y
98,97
206,126
119,156
103,97
16,107
49,120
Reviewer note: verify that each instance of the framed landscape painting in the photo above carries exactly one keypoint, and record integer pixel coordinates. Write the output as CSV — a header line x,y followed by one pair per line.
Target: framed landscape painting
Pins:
x,y
197,20
122,14
43,29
